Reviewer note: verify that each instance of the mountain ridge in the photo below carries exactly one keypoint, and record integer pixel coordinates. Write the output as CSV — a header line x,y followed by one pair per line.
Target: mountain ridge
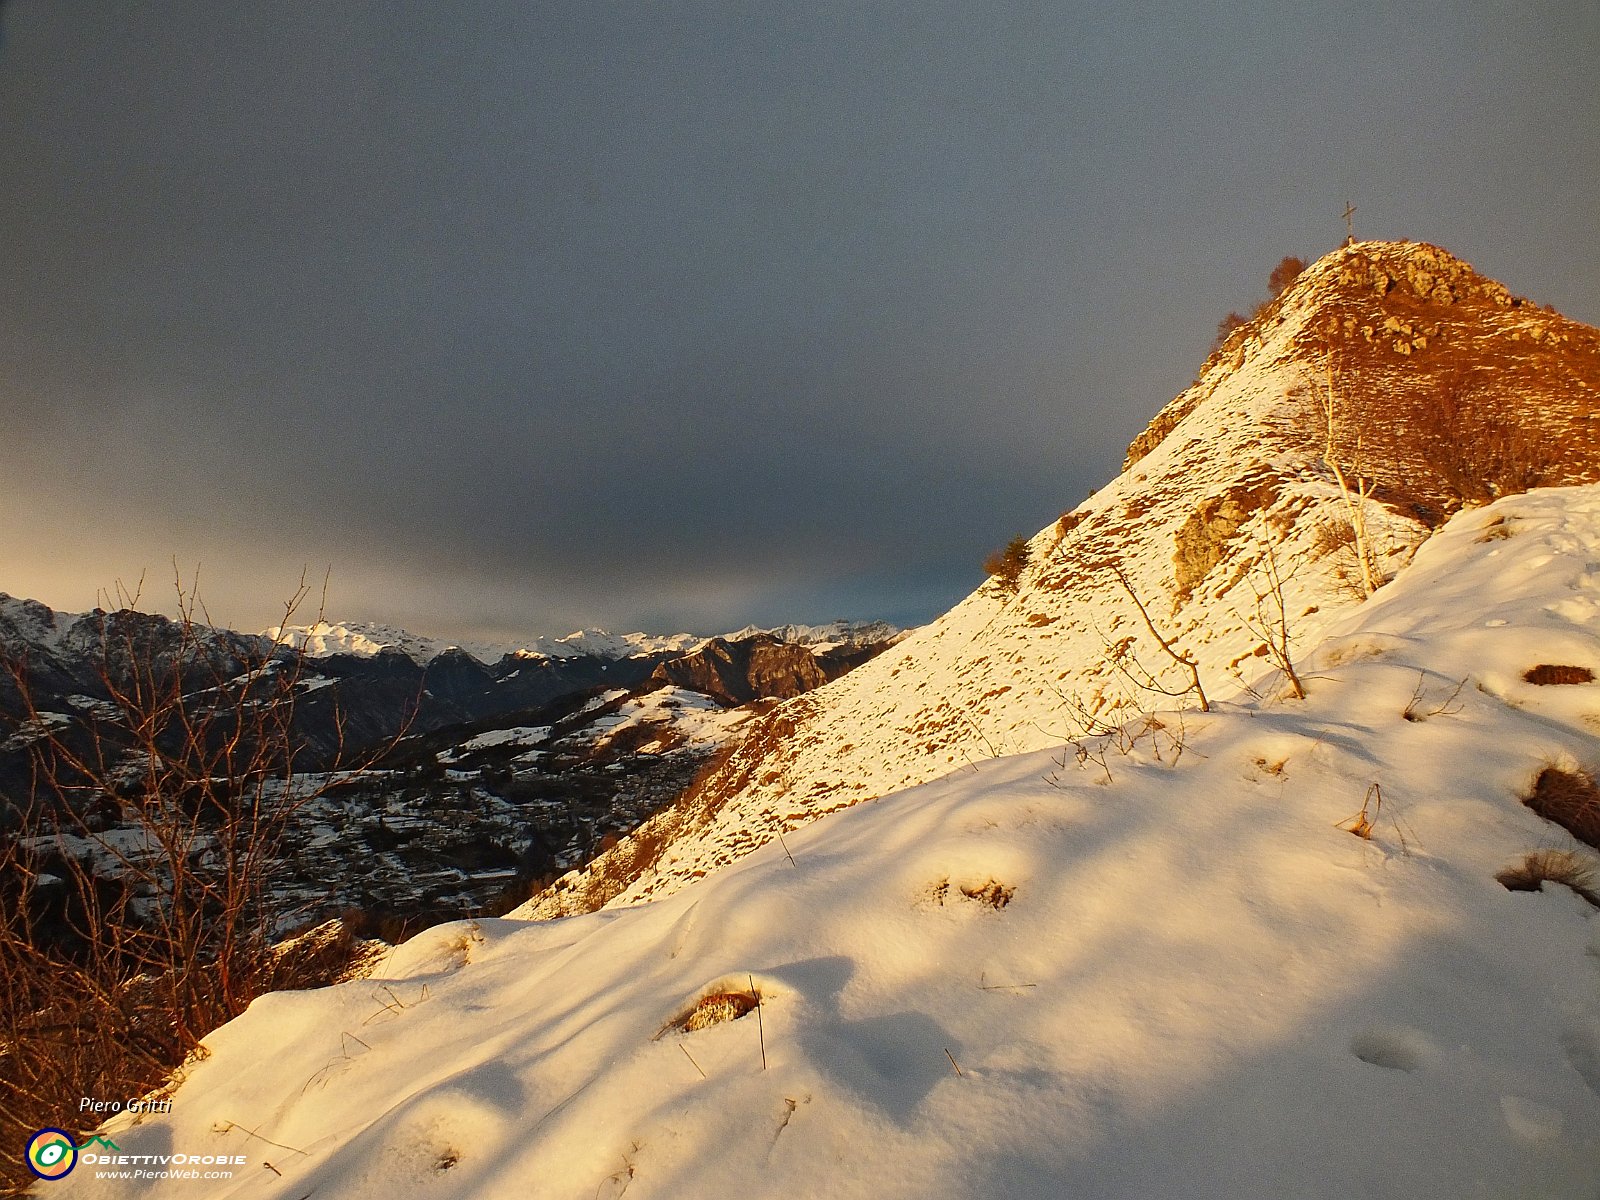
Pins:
x,y
1228,488
364,638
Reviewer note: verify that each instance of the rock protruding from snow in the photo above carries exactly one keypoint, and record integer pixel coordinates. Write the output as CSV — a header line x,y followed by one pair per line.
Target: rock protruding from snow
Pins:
x,y
762,666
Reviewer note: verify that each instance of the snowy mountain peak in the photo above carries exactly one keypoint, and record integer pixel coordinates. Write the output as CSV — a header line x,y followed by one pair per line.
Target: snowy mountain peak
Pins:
x,y
1227,532
366,639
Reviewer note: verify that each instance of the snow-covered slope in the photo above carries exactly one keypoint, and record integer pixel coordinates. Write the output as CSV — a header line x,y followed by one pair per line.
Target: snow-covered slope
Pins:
x,y
1156,968
1223,493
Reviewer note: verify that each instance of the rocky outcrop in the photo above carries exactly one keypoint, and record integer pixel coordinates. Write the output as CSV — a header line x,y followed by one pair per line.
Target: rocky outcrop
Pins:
x,y
1202,540
752,668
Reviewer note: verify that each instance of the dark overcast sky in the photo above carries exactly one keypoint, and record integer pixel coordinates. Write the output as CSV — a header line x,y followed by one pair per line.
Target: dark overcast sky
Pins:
x,y
522,316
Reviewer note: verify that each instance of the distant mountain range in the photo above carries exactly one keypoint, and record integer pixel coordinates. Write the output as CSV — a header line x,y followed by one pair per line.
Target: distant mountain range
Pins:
x,y
537,751
366,639
360,684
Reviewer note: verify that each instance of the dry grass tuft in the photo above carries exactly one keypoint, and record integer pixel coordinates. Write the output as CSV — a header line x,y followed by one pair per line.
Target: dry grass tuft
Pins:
x,y
327,954
718,1008
1571,800
1565,867
993,893
1549,673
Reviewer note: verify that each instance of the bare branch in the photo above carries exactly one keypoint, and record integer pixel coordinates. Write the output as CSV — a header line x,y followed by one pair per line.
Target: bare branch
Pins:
x,y
1187,662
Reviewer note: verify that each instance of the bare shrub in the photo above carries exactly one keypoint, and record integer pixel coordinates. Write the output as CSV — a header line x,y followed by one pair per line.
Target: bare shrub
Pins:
x,y
1005,566
1552,866
1547,674
121,947
1480,446
1423,707
1571,800
1225,328
327,953
1121,654
1289,269
1334,534
1286,272
1271,621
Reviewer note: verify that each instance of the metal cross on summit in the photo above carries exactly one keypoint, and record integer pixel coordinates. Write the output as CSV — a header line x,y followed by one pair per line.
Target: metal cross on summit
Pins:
x,y
1349,223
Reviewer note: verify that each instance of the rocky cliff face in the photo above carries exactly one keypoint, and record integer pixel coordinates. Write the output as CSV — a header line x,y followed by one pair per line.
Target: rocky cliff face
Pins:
x,y
760,667
1227,528
741,671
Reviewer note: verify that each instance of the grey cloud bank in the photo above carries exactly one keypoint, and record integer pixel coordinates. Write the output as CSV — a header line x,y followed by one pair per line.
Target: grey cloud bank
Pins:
x,y
525,317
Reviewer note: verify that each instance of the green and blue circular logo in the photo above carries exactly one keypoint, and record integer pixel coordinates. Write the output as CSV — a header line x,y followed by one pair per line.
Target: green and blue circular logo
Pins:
x,y
51,1154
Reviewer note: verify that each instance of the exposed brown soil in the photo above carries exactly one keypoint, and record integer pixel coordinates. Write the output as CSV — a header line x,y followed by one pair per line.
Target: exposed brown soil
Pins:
x,y
1548,674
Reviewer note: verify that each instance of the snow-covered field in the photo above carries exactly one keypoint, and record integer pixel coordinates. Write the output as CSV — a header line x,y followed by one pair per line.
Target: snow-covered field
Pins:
x,y
1158,966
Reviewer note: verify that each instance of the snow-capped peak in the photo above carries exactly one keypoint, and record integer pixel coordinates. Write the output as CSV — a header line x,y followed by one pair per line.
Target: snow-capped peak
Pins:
x,y
366,639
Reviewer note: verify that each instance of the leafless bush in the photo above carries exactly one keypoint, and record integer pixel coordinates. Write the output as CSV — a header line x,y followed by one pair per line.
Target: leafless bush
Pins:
x,y
1225,328
1289,269
121,947
1271,620
1480,446
1333,536
1364,824
1117,730
1286,272
1122,657
1422,707
1005,566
